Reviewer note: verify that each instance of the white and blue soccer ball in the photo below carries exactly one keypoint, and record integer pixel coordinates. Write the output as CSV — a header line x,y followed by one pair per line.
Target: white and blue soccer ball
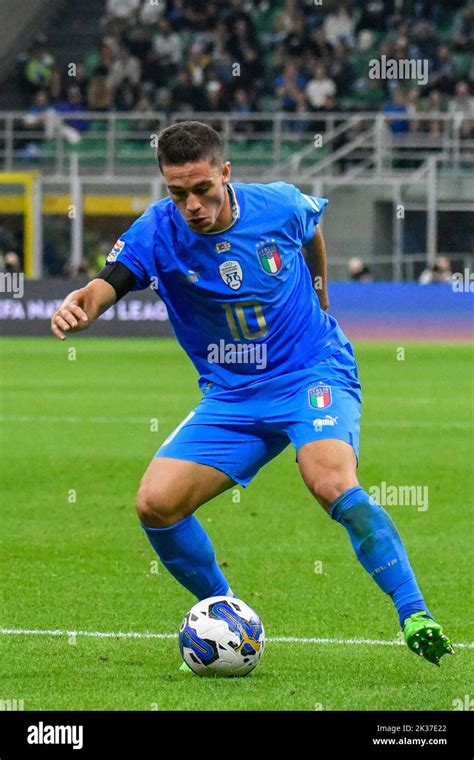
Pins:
x,y
221,636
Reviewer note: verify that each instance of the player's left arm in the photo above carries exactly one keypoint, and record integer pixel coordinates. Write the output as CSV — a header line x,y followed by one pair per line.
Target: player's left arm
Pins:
x,y
319,268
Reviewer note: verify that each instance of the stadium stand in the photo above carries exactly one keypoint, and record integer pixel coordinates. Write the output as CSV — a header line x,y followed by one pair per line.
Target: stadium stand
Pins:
x,y
293,56
99,77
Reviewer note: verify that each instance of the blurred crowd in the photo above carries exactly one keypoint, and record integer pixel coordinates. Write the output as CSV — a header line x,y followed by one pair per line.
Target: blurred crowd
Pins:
x,y
264,56
239,57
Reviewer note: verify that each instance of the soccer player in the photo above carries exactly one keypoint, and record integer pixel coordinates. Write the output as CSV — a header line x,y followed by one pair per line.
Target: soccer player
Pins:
x,y
274,367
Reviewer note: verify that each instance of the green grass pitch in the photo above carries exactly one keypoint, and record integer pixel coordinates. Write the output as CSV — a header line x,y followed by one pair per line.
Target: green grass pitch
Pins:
x,y
76,439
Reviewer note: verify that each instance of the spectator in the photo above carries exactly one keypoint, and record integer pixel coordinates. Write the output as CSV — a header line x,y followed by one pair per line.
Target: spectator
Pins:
x,y
425,40
319,88
241,36
339,26
37,115
463,29
298,41
81,80
289,87
150,13
197,64
185,95
251,69
435,103
122,9
10,262
463,104
109,51
139,44
341,70
164,100
38,68
443,71
166,46
126,96
438,272
358,271
285,20
144,105
215,100
177,15
397,105
369,95
73,103
414,106
126,66
320,47
238,13
374,15
100,91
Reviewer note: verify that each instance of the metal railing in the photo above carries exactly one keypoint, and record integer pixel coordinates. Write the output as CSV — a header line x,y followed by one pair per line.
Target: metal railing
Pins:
x,y
113,144
382,266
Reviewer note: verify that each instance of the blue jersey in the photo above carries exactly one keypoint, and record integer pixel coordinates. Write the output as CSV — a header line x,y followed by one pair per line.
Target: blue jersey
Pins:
x,y
241,301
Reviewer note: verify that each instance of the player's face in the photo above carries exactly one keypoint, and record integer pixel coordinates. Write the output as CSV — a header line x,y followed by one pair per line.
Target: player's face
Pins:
x,y
199,191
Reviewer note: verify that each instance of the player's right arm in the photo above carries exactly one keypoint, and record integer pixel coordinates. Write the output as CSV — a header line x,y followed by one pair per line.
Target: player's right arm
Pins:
x,y
82,307
129,266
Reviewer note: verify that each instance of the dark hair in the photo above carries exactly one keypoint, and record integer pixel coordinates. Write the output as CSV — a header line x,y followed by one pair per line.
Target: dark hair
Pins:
x,y
189,141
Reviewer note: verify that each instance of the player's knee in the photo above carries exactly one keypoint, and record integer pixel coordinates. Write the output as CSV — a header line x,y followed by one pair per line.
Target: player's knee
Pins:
x,y
329,484
154,509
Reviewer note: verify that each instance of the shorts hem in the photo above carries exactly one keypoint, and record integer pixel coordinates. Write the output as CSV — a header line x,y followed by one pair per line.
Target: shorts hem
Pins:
x,y
345,439
244,482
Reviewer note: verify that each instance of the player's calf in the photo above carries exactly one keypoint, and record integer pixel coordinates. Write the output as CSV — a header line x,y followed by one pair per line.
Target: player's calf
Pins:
x,y
167,497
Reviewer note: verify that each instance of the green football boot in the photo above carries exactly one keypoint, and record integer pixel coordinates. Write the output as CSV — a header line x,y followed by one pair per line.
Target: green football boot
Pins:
x,y
426,638
184,668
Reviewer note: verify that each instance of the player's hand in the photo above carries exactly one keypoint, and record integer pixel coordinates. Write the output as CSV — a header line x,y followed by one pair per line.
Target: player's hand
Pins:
x,y
323,299
70,317
324,302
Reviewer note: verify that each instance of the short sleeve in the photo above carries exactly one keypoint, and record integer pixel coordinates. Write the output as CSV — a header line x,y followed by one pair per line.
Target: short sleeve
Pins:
x,y
134,249
308,212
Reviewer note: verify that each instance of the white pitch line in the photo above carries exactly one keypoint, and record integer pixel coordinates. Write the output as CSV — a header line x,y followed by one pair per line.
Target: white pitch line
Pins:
x,y
148,635
454,424
93,420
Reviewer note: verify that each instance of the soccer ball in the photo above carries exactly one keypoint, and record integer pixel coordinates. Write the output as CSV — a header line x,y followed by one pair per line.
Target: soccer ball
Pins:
x,y
221,636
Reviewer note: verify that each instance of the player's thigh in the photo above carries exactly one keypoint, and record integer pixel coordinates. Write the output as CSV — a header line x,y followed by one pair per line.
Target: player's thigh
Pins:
x,y
223,432
326,426
171,489
216,446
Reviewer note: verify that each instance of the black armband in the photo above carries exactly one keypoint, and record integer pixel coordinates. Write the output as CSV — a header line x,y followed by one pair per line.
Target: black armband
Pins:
x,y
119,276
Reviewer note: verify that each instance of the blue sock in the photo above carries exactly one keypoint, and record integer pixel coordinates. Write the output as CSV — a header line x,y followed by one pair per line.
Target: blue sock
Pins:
x,y
379,549
186,551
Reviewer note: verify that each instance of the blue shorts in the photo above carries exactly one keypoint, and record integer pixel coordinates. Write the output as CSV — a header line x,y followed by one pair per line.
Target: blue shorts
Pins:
x,y
239,431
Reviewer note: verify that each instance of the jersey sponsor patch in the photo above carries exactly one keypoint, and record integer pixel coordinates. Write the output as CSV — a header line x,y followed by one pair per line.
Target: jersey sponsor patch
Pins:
x,y
320,396
223,247
270,258
231,273
115,250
